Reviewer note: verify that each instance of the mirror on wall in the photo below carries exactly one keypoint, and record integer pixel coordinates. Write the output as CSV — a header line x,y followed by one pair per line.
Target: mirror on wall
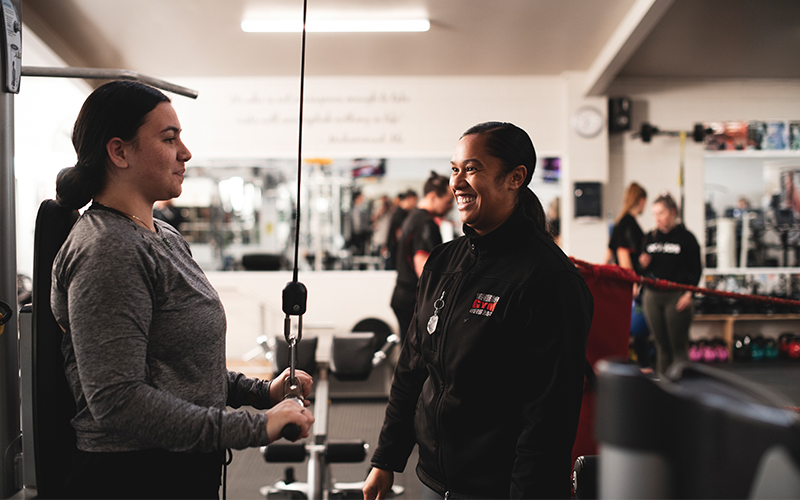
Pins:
x,y
240,215
752,211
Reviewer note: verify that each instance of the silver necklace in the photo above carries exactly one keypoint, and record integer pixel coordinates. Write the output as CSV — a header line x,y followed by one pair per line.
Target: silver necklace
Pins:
x,y
143,223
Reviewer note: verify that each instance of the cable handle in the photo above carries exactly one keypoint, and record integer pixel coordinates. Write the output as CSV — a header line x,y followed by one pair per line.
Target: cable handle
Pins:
x,y
292,388
294,392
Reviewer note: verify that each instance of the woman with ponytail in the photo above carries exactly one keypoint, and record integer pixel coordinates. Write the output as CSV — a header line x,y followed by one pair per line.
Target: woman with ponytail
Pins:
x,y
490,377
144,330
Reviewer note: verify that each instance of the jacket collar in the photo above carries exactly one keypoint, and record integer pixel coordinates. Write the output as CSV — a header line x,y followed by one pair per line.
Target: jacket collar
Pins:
x,y
510,232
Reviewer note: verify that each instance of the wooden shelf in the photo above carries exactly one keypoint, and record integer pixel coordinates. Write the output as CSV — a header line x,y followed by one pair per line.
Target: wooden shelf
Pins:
x,y
728,321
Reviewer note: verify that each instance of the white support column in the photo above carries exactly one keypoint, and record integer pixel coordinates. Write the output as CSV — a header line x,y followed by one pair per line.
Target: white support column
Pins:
x,y
586,160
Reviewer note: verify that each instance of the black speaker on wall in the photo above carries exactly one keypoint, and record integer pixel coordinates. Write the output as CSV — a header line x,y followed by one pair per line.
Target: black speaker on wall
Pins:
x,y
619,114
588,199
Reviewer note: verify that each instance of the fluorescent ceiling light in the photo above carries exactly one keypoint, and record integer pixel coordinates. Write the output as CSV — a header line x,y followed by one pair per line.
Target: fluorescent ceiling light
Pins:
x,y
336,25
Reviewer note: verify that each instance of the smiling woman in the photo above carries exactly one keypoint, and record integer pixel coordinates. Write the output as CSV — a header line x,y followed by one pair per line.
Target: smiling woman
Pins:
x,y
491,168
503,299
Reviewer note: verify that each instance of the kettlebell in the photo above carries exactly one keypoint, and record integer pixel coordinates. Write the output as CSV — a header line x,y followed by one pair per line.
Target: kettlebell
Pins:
x,y
770,349
758,349
742,350
721,350
695,353
709,353
793,348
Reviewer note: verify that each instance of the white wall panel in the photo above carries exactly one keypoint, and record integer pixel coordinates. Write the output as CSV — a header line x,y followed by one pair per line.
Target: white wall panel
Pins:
x,y
350,117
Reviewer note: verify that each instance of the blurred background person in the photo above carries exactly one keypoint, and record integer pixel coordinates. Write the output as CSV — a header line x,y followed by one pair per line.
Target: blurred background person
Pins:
x,y
627,236
381,217
670,253
407,201
420,234
360,224
166,211
624,248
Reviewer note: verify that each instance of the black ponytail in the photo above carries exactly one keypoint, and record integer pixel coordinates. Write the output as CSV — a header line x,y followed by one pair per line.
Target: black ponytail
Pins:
x,y
513,147
76,186
532,209
116,109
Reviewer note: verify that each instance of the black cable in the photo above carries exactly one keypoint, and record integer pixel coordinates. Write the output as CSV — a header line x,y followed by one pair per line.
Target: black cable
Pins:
x,y
226,461
300,141
295,294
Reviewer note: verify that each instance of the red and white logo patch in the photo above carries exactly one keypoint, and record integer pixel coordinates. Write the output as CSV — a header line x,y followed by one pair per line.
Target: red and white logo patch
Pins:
x,y
484,304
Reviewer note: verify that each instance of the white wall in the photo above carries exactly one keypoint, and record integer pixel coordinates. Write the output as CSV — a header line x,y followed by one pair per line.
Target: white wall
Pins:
x,y
587,161
677,104
44,112
403,117
337,300
257,117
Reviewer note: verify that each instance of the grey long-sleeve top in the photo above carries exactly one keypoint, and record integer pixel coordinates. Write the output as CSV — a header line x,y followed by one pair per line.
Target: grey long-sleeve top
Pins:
x,y
144,345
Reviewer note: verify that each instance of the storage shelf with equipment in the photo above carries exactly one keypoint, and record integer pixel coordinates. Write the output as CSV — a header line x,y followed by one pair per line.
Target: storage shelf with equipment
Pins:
x,y
724,318
769,325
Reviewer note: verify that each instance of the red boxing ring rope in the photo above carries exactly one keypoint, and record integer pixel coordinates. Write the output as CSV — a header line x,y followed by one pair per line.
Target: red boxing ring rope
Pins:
x,y
619,273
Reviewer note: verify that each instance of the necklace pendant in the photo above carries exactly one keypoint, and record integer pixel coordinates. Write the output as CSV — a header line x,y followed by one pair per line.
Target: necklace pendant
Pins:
x,y
432,323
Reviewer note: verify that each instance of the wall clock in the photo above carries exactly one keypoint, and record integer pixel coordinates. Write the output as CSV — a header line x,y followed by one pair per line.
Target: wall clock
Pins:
x,y
588,121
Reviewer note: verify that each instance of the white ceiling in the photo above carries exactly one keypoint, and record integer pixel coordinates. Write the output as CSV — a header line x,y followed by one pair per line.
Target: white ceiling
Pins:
x,y
173,38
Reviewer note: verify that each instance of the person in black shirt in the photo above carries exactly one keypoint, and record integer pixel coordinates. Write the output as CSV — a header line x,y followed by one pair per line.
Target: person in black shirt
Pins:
x,y
166,211
420,234
627,237
624,248
671,253
407,202
360,229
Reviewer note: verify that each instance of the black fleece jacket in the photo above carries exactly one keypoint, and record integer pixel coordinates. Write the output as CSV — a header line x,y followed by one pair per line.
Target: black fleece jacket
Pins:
x,y
492,396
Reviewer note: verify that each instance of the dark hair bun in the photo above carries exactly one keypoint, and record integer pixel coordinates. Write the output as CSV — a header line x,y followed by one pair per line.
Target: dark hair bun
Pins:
x,y
74,187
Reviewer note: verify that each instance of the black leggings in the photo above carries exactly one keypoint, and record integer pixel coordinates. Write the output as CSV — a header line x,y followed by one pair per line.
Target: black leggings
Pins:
x,y
144,474
670,327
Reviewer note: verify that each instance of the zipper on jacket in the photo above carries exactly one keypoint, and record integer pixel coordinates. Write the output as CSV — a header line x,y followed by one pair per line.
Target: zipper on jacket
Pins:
x,y
437,413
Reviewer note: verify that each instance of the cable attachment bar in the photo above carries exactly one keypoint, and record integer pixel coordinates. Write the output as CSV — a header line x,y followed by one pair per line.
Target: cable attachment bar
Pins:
x,y
295,298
